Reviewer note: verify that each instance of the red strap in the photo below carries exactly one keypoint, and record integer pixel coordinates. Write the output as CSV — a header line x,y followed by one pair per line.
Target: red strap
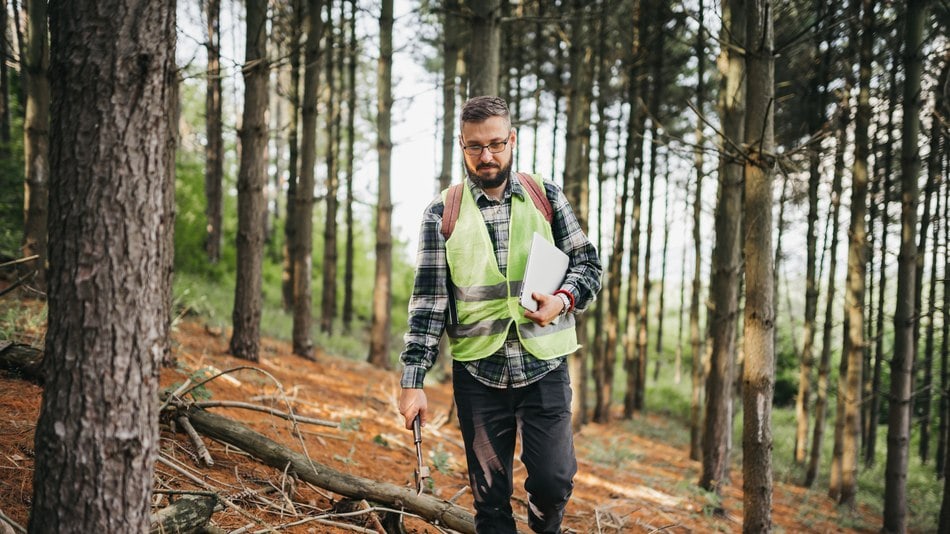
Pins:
x,y
450,214
537,196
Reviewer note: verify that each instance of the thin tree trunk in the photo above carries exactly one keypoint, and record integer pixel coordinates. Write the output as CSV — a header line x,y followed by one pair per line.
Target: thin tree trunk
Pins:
x,y
4,86
811,284
884,176
246,317
758,372
824,362
36,139
925,398
214,149
942,432
902,362
382,294
293,168
604,369
303,209
328,295
352,57
724,283
450,54
97,434
698,373
666,245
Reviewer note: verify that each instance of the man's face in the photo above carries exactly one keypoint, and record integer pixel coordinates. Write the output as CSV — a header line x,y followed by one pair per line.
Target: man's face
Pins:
x,y
488,170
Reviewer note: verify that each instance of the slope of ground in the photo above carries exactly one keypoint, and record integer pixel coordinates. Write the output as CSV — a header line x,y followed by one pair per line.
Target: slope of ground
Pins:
x,y
628,481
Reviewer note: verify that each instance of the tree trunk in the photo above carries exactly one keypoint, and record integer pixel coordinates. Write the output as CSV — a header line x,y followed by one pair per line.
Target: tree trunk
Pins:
x,y
352,58
214,149
382,290
246,318
328,296
698,373
925,398
666,245
577,167
97,433
293,169
724,283
902,362
484,52
885,177
944,407
451,48
4,87
758,372
604,367
303,209
824,363
852,366
36,139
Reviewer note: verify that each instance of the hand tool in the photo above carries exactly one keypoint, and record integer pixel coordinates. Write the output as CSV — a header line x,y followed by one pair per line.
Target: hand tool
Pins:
x,y
422,470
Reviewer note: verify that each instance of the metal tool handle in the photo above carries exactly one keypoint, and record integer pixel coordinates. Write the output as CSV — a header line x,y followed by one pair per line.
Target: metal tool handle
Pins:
x,y
417,429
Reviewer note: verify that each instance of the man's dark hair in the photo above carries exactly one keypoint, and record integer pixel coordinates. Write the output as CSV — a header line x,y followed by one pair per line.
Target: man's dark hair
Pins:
x,y
481,108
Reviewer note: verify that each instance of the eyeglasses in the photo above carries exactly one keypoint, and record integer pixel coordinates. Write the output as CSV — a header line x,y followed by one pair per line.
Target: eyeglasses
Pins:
x,y
494,148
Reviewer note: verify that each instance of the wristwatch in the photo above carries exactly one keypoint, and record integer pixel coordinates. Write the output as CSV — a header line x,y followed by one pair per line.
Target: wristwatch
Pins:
x,y
566,301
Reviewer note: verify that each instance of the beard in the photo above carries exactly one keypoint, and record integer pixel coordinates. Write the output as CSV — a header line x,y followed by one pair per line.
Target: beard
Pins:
x,y
489,183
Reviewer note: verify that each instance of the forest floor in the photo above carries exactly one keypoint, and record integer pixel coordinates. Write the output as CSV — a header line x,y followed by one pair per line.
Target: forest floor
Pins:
x,y
629,480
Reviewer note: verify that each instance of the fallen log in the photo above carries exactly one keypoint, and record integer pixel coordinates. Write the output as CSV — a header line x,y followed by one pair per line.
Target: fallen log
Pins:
x,y
23,360
187,514
271,453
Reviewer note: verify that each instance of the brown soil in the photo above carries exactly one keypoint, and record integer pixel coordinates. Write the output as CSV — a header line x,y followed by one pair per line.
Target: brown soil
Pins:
x,y
626,482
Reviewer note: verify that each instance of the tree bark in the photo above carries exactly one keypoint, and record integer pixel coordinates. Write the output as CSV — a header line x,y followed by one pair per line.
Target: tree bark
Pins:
x,y
293,169
758,380
724,283
22,359
214,149
698,372
902,362
97,433
577,165
382,289
885,177
944,407
279,457
352,58
824,363
4,87
246,317
451,47
36,147
817,125
303,209
328,295
484,52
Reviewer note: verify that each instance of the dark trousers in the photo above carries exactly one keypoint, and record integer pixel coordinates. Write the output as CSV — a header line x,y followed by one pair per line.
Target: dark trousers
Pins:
x,y
490,418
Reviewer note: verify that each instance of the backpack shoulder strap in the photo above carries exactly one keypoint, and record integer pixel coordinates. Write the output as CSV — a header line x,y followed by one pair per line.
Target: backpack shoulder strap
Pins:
x,y
450,213
536,192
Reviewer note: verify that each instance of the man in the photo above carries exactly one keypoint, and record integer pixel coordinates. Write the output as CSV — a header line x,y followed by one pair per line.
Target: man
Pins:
x,y
510,374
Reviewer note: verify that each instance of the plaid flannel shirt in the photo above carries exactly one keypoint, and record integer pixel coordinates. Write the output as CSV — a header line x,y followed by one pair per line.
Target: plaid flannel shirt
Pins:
x,y
511,365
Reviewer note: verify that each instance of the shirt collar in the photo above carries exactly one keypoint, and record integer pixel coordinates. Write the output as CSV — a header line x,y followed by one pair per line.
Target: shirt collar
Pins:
x,y
512,187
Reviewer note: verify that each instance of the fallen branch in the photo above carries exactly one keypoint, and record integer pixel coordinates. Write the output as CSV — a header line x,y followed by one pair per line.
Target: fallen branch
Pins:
x,y
9,525
196,439
22,359
265,409
277,456
184,515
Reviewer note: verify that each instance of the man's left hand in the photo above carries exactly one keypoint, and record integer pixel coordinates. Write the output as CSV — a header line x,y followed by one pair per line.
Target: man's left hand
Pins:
x,y
549,308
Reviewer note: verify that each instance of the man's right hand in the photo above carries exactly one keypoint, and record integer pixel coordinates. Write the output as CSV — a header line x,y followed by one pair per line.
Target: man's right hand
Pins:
x,y
413,401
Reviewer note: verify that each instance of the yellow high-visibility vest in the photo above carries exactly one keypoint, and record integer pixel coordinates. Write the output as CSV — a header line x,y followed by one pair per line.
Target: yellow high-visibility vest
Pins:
x,y
486,302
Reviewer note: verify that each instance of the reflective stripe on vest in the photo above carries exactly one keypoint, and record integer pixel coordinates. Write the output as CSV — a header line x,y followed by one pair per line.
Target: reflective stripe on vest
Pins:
x,y
486,301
